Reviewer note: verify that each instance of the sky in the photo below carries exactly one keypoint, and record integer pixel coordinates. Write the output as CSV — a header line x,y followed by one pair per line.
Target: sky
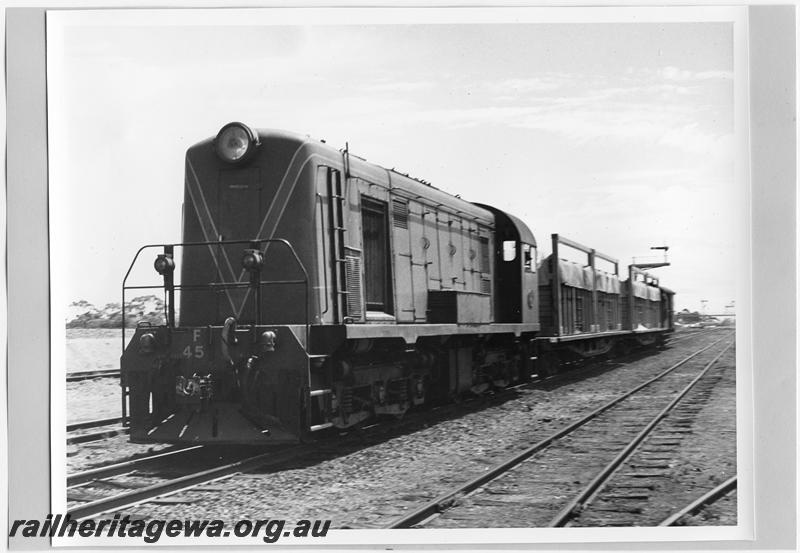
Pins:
x,y
619,136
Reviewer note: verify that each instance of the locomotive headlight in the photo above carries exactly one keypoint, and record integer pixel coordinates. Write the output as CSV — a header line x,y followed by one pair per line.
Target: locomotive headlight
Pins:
x,y
252,260
164,264
235,142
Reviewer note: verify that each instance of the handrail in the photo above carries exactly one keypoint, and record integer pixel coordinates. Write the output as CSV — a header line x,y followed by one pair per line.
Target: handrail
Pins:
x,y
588,250
286,243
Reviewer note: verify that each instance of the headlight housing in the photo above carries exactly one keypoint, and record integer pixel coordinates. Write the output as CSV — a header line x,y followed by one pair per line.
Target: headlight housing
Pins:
x,y
235,143
164,264
252,259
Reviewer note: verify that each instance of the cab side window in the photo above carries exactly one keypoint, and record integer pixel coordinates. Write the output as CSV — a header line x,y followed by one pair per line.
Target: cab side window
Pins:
x,y
528,257
509,250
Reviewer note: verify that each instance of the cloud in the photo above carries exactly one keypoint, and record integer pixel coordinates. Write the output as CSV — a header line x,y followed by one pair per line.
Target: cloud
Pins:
x,y
542,83
692,138
583,119
398,86
650,174
671,73
666,107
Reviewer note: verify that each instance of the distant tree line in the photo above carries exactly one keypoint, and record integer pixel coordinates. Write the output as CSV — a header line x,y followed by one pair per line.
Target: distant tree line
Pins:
x,y
82,314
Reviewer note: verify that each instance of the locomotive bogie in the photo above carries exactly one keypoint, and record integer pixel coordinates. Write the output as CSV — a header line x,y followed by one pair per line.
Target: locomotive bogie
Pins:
x,y
387,381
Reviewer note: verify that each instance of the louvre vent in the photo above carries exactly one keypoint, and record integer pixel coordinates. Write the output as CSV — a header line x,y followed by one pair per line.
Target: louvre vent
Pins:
x,y
400,213
486,286
352,265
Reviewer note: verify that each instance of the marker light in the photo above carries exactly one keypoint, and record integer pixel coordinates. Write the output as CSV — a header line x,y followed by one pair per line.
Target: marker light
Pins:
x,y
147,343
235,142
252,260
164,264
267,340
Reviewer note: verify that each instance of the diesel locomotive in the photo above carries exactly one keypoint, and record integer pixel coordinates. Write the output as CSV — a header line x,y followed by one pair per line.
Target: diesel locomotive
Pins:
x,y
314,290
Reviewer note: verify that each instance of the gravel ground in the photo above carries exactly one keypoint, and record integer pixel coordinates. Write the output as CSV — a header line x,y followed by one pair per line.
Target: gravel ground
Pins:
x,y
91,349
372,486
82,457
94,349
93,399
720,513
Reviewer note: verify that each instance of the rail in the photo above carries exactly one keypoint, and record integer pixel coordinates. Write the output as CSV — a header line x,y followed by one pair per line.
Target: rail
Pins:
x,y
175,485
706,499
92,424
83,438
125,467
90,375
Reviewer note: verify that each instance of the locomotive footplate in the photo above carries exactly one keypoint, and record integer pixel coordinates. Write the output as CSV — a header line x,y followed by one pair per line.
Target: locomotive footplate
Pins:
x,y
219,422
215,384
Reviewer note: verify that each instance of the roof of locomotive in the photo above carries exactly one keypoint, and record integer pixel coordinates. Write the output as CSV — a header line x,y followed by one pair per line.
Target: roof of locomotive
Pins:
x,y
400,184
262,133
525,233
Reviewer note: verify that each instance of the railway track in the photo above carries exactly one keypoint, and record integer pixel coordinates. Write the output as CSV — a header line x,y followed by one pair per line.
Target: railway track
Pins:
x,y
656,443
708,498
575,458
126,467
87,499
72,427
110,427
89,375
676,338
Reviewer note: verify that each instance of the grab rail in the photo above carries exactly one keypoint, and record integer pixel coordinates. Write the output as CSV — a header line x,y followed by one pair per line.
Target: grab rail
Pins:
x,y
170,287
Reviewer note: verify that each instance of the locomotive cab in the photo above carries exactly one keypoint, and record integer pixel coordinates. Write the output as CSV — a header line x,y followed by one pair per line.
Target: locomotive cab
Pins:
x,y
515,259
